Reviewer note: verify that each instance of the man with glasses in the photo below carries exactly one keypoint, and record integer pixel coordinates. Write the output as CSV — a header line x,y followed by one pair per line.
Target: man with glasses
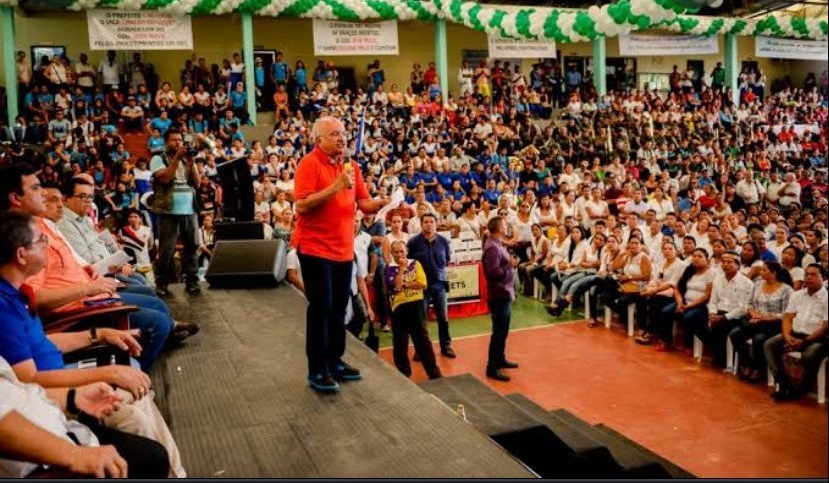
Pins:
x,y
66,283
327,187
78,229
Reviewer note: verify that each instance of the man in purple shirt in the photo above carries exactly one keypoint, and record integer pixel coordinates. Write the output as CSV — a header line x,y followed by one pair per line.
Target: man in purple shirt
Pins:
x,y
498,270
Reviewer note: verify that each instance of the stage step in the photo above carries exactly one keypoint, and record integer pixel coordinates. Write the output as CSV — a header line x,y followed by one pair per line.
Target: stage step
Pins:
x,y
673,469
630,457
550,446
575,439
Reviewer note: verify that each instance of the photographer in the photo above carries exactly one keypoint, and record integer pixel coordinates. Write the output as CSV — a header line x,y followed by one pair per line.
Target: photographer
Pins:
x,y
174,178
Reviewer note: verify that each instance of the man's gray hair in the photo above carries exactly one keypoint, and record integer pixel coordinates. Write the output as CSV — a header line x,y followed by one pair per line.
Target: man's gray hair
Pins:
x,y
316,128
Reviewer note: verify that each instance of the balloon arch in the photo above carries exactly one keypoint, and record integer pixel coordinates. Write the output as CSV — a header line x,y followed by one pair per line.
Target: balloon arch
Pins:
x,y
561,25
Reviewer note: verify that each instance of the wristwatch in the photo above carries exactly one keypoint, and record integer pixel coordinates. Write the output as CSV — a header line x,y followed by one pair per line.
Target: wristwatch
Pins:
x,y
93,336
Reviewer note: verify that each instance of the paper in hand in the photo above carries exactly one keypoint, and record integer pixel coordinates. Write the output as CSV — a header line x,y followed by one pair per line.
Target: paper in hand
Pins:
x,y
397,197
115,260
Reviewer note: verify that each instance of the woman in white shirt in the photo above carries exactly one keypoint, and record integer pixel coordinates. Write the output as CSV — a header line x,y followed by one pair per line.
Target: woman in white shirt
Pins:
x,y
396,234
587,265
659,204
570,260
658,294
791,259
691,294
539,246
544,212
634,267
750,262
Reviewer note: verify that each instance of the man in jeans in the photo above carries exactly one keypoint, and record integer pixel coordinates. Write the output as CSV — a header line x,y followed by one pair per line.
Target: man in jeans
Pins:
x,y
433,253
498,266
327,186
175,179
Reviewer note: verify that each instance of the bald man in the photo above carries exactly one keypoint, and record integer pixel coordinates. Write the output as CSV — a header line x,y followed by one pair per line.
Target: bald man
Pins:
x,y
327,186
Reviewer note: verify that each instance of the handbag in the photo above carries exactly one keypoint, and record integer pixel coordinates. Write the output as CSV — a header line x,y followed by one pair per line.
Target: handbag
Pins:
x,y
629,288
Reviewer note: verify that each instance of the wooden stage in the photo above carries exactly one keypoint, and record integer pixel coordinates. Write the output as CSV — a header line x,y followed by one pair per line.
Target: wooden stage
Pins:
x,y
236,398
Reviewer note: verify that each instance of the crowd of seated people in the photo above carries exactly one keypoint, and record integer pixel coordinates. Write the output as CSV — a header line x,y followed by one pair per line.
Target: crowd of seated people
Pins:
x,y
663,200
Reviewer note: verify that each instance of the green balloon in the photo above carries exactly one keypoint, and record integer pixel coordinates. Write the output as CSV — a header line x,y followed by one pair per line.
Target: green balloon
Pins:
x,y
643,22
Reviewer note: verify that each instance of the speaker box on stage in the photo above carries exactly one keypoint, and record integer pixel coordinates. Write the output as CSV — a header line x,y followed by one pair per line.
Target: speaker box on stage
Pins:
x,y
239,230
247,263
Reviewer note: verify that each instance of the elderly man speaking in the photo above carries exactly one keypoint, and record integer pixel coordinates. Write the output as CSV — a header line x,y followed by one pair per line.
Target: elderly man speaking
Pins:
x,y
327,187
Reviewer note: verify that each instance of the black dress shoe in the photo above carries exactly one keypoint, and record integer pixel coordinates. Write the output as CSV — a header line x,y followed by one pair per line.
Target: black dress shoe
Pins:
x,y
784,395
497,375
193,288
509,365
448,352
162,291
190,328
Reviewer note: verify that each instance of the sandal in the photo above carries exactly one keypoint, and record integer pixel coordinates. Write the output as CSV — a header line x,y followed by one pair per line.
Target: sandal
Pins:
x,y
592,323
643,338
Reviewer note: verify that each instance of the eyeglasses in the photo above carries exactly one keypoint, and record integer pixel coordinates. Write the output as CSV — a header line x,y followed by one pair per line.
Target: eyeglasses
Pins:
x,y
84,197
43,239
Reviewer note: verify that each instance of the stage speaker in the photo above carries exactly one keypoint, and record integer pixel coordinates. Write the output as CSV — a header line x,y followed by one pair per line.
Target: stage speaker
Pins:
x,y
237,189
241,230
247,263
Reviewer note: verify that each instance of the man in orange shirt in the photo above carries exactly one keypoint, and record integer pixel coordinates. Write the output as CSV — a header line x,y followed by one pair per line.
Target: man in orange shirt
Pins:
x,y
327,187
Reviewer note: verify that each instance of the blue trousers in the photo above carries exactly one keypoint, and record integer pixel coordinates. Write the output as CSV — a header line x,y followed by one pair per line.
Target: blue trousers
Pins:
x,y
154,319
327,289
438,297
500,311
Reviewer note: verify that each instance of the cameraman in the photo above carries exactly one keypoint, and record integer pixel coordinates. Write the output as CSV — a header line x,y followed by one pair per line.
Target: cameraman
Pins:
x,y
175,179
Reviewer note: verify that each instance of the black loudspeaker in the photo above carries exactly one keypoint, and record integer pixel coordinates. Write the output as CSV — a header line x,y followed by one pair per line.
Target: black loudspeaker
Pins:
x,y
237,189
247,263
242,230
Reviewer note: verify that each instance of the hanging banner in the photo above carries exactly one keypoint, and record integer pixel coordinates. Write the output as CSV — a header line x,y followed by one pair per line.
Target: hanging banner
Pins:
x,y
138,30
501,48
790,48
332,37
638,45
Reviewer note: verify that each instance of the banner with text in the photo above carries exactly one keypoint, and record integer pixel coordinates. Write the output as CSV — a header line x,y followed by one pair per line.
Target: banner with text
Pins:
x,y
637,45
138,30
355,38
500,48
463,282
790,48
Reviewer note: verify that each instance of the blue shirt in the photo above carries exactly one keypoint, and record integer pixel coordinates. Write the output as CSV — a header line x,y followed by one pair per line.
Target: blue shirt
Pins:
x,y
238,99
433,257
21,333
259,76
161,124
280,71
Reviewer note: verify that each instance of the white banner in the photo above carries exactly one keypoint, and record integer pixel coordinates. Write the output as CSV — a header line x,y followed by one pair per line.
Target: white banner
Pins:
x,y
332,37
138,30
501,48
638,45
790,48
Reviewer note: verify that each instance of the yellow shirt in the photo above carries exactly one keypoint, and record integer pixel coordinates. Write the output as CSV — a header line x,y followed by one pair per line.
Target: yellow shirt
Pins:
x,y
414,273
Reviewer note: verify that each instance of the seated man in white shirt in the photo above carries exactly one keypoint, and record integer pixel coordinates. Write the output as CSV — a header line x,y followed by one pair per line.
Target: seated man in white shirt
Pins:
x,y
804,331
727,305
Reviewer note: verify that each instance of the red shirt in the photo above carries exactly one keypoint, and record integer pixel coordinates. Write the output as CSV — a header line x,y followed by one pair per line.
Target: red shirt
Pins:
x,y
327,230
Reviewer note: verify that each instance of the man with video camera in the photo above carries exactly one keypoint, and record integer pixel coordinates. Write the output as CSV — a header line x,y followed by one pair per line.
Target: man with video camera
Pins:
x,y
174,181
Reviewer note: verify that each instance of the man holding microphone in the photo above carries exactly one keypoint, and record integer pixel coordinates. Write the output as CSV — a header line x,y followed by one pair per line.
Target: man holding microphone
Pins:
x,y
175,179
326,189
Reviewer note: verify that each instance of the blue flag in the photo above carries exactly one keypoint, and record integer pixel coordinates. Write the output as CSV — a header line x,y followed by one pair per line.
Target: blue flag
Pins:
x,y
360,139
